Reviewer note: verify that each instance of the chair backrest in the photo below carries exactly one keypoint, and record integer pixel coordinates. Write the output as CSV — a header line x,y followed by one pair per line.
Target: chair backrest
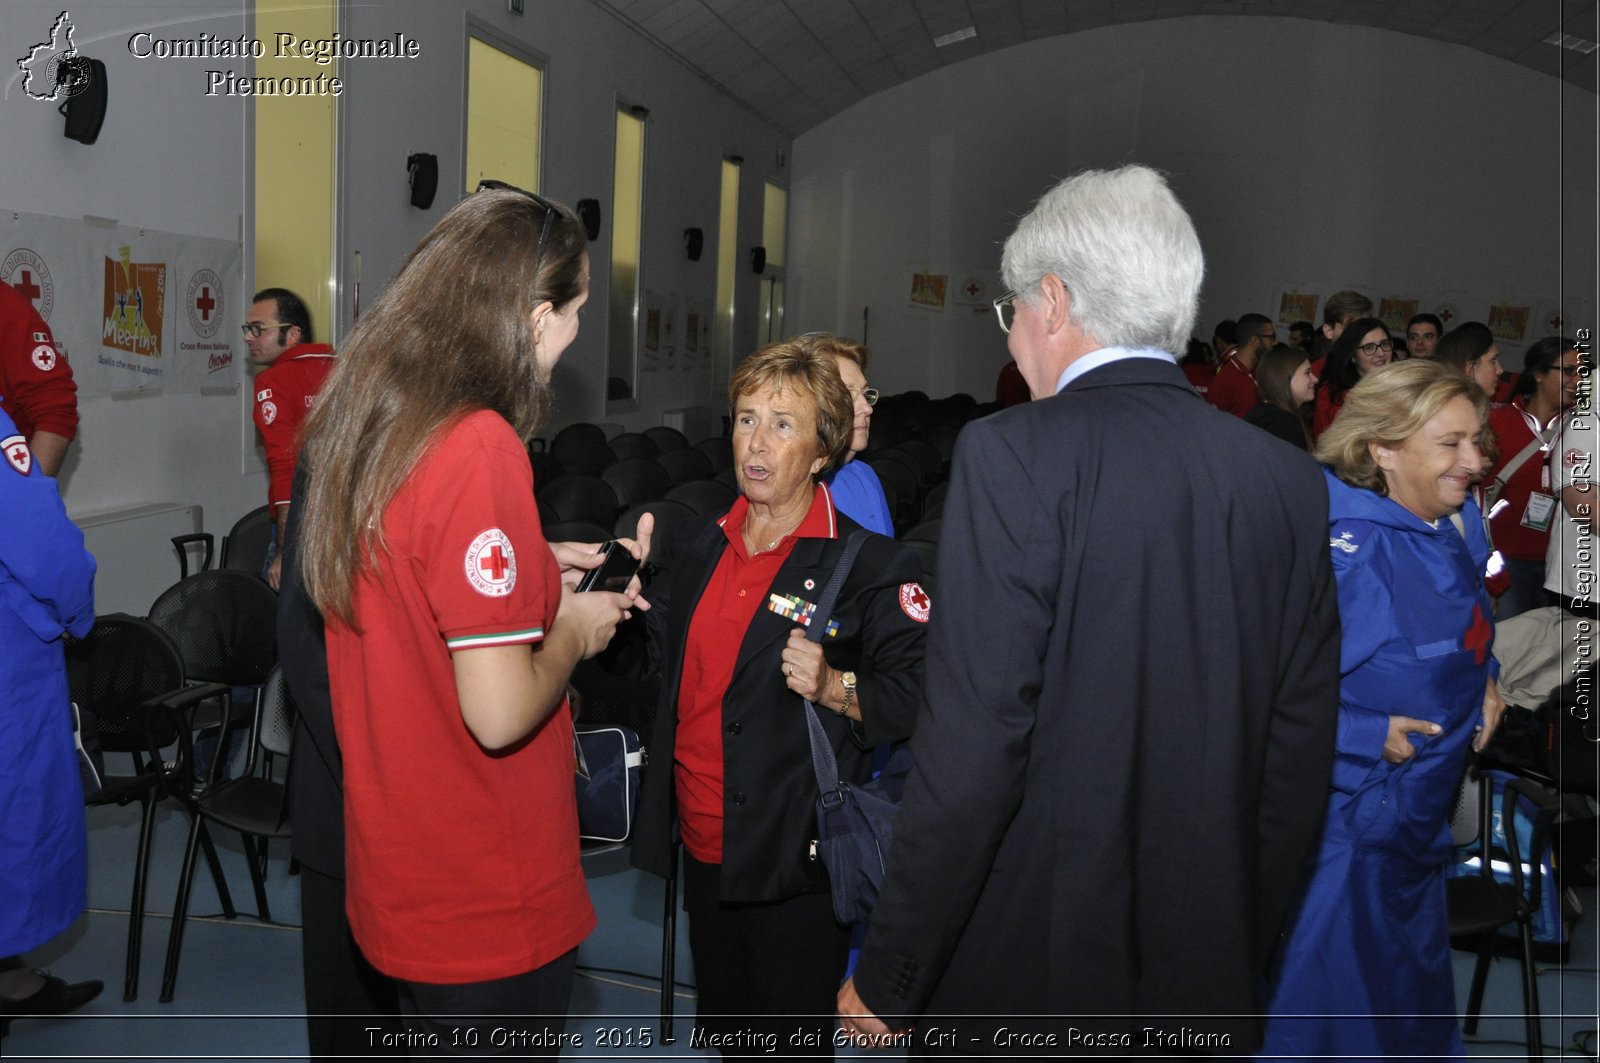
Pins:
x,y
575,497
686,465
244,548
921,453
277,715
719,449
667,438
114,671
576,531
637,480
225,624
587,459
668,516
581,432
633,445
706,497
546,467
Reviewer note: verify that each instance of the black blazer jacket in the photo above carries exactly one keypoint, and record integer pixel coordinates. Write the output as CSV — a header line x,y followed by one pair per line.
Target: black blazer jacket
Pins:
x,y
1123,761
769,789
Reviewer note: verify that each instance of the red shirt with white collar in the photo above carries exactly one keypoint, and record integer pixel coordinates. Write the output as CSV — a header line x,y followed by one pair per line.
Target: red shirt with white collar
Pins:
x,y
463,863
285,391
1514,428
736,591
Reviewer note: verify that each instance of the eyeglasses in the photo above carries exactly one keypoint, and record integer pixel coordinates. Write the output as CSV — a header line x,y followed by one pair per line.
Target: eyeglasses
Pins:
x,y
254,329
1370,349
870,394
1005,310
550,213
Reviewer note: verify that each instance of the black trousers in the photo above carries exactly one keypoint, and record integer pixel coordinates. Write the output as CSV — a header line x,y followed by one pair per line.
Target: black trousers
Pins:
x,y
523,1016
345,995
768,974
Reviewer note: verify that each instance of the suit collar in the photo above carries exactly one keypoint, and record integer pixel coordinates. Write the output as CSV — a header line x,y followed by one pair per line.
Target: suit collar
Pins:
x,y
1126,371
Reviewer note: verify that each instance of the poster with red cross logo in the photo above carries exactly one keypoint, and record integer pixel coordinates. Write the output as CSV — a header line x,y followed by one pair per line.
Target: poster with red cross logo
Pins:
x,y
131,309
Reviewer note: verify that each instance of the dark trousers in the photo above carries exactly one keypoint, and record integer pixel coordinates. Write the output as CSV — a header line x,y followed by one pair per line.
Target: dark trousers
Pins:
x,y
768,974
524,1015
345,995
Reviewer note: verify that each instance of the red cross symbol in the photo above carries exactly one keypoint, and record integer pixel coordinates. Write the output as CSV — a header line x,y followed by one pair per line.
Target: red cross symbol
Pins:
x,y
920,599
1478,635
205,304
493,562
972,289
1554,322
19,455
27,287
1445,316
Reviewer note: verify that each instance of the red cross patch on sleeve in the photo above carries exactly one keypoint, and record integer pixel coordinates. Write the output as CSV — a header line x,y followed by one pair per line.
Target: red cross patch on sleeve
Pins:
x,y
491,564
18,456
914,602
44,356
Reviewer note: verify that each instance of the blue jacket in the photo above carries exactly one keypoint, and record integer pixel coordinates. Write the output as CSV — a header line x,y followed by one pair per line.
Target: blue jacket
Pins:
x,y
46,589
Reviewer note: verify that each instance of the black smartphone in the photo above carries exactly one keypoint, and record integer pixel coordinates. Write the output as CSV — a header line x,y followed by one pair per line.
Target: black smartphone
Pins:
x,y
613,573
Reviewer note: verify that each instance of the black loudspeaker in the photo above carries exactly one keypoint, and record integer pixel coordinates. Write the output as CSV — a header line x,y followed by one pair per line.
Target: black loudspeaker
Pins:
x,y
758,259
589,214
424,175
694,241
83,80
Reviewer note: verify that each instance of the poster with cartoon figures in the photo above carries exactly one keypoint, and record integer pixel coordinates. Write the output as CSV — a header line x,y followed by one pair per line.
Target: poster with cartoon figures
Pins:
x,y
132,309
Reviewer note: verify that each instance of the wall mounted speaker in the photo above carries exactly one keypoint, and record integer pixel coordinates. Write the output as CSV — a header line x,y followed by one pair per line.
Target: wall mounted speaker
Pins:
x,y
589,214
758,259
694,241
84,82
423,172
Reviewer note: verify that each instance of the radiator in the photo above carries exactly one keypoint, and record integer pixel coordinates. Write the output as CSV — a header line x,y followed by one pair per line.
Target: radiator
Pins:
x,y
133,548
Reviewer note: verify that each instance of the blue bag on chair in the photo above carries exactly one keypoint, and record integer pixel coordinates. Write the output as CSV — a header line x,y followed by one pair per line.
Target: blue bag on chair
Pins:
x,y
610,761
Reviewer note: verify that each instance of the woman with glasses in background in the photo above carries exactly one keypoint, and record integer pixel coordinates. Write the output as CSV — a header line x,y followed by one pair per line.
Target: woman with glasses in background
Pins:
x,y
1363,346
451,631
856,488
1519,499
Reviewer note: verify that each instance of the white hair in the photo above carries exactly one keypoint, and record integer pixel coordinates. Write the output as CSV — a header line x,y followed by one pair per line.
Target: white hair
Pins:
x,y
1124,248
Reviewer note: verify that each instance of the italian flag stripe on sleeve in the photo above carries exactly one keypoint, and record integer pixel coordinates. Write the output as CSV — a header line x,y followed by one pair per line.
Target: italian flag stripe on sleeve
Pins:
x,y
499,638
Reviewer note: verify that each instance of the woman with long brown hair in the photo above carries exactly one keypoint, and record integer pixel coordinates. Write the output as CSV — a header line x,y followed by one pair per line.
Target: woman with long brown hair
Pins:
x,y
450,634
1287,387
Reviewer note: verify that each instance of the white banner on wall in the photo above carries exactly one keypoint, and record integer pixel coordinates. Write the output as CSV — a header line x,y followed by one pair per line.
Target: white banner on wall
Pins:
x,y
132,309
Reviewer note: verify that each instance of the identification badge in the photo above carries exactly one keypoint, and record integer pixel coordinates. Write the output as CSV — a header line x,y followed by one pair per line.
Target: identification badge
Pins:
x,y
1541,508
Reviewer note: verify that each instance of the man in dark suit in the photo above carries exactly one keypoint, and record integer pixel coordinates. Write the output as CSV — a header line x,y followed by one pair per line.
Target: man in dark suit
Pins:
x,y
1132,677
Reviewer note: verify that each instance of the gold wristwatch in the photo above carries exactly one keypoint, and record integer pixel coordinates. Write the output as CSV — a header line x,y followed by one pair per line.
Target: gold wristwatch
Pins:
x,y
849,681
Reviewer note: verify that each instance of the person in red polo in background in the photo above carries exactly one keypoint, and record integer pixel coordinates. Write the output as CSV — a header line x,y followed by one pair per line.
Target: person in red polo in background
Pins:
x,y
278,334
36,386
1234,390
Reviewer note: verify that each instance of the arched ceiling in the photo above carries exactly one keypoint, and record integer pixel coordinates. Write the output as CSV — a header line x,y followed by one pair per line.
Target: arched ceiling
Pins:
x,y
798,62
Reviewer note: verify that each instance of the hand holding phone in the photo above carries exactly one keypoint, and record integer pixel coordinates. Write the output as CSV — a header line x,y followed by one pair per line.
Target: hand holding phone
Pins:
x,y
612,574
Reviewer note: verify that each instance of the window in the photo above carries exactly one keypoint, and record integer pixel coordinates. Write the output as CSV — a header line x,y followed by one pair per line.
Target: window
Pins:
x,y
504,96
774,233
627,210
727,266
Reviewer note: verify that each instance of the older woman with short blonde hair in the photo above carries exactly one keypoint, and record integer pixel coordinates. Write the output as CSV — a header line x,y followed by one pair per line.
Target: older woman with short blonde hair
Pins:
x,y
1417,688
730,764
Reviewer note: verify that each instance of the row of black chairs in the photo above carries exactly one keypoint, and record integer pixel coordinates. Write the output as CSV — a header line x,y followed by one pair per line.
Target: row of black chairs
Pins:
x,y
156,685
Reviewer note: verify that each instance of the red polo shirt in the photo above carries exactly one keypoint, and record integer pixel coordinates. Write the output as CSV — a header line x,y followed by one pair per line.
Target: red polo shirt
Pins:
x,y
1233,389
1512,431
737,589
285,391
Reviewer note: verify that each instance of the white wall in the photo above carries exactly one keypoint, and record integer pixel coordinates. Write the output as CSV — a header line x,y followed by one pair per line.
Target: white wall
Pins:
x,y
171,158
1325,156
168,158
391,110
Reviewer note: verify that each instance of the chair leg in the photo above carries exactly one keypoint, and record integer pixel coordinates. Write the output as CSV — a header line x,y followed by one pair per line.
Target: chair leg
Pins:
x,y
1480,975
669,942
180,908
141,878
257,880
217,876
1530,995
